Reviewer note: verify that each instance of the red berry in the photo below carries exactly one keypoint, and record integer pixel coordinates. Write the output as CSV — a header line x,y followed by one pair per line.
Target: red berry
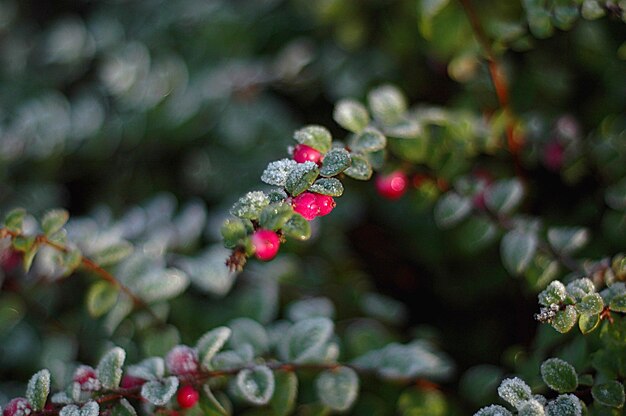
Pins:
x,y
303,153
266,244
129,382
307,205
392,185
187,396
17,407
182,360
10,259
553,155
87,378
326,203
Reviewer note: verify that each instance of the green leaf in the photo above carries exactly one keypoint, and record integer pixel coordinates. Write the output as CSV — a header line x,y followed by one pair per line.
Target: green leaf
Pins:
x,y
370,140
337,388
514,391
351,115
297,227
618,303
327,186
565,319
283,400
335,162
592,10
588,323
250,205
24,243
559,375
590,305
530,408
276,173
517,250
29,256
233,231
71,260
538,19
554,293
256,385
91,408
566,240
427,10
151,368
504,196
609,394
14,220
564,405
101,297
159,392
109,368
123,408
424,402
210,343
160,340
113,254
305,341
301,177
360,169
387,104
248,331
317,137
38,390
54,220
275,215
211,405
451,209
580,288
493,410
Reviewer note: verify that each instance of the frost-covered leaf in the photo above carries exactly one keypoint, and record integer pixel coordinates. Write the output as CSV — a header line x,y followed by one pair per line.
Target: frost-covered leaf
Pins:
x,y
317,137
209,272
256,385
297,227
588,323
504,196
227,360
113,254
530,408
275,215
14,220
351,115
566,240
592,9
564,405
101,297
369,140
493,410
337,388
248,331
276,172
451,209
565,319
327,186
301,178
517,250
580,288
109,369
159,392
383,308
283,400
335,161
514,391
91,408
609,394
234,231
54,220
152,368
554,293
123,408
360,169
210,343
250,205
305,340
618,303
310,308
213,406
387,104
38,389
559,375
590,305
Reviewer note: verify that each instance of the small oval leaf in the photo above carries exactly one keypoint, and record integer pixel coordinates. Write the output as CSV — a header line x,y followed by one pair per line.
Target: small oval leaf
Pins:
x,y
337,388
559,375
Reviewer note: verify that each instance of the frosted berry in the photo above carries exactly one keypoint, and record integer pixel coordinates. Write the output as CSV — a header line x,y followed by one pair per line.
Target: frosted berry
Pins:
x,y
87,378
392,185
17,407
129,382
182,360
553,156
266,244
307,205
187,397
326,203
303,153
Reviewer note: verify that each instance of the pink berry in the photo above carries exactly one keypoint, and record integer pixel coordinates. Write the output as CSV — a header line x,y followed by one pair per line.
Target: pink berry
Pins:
x,y
182,360
187,397
392,185
553,155
307,205
87,378
17,407
10,259
326,203
266,244
129,382
303,153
